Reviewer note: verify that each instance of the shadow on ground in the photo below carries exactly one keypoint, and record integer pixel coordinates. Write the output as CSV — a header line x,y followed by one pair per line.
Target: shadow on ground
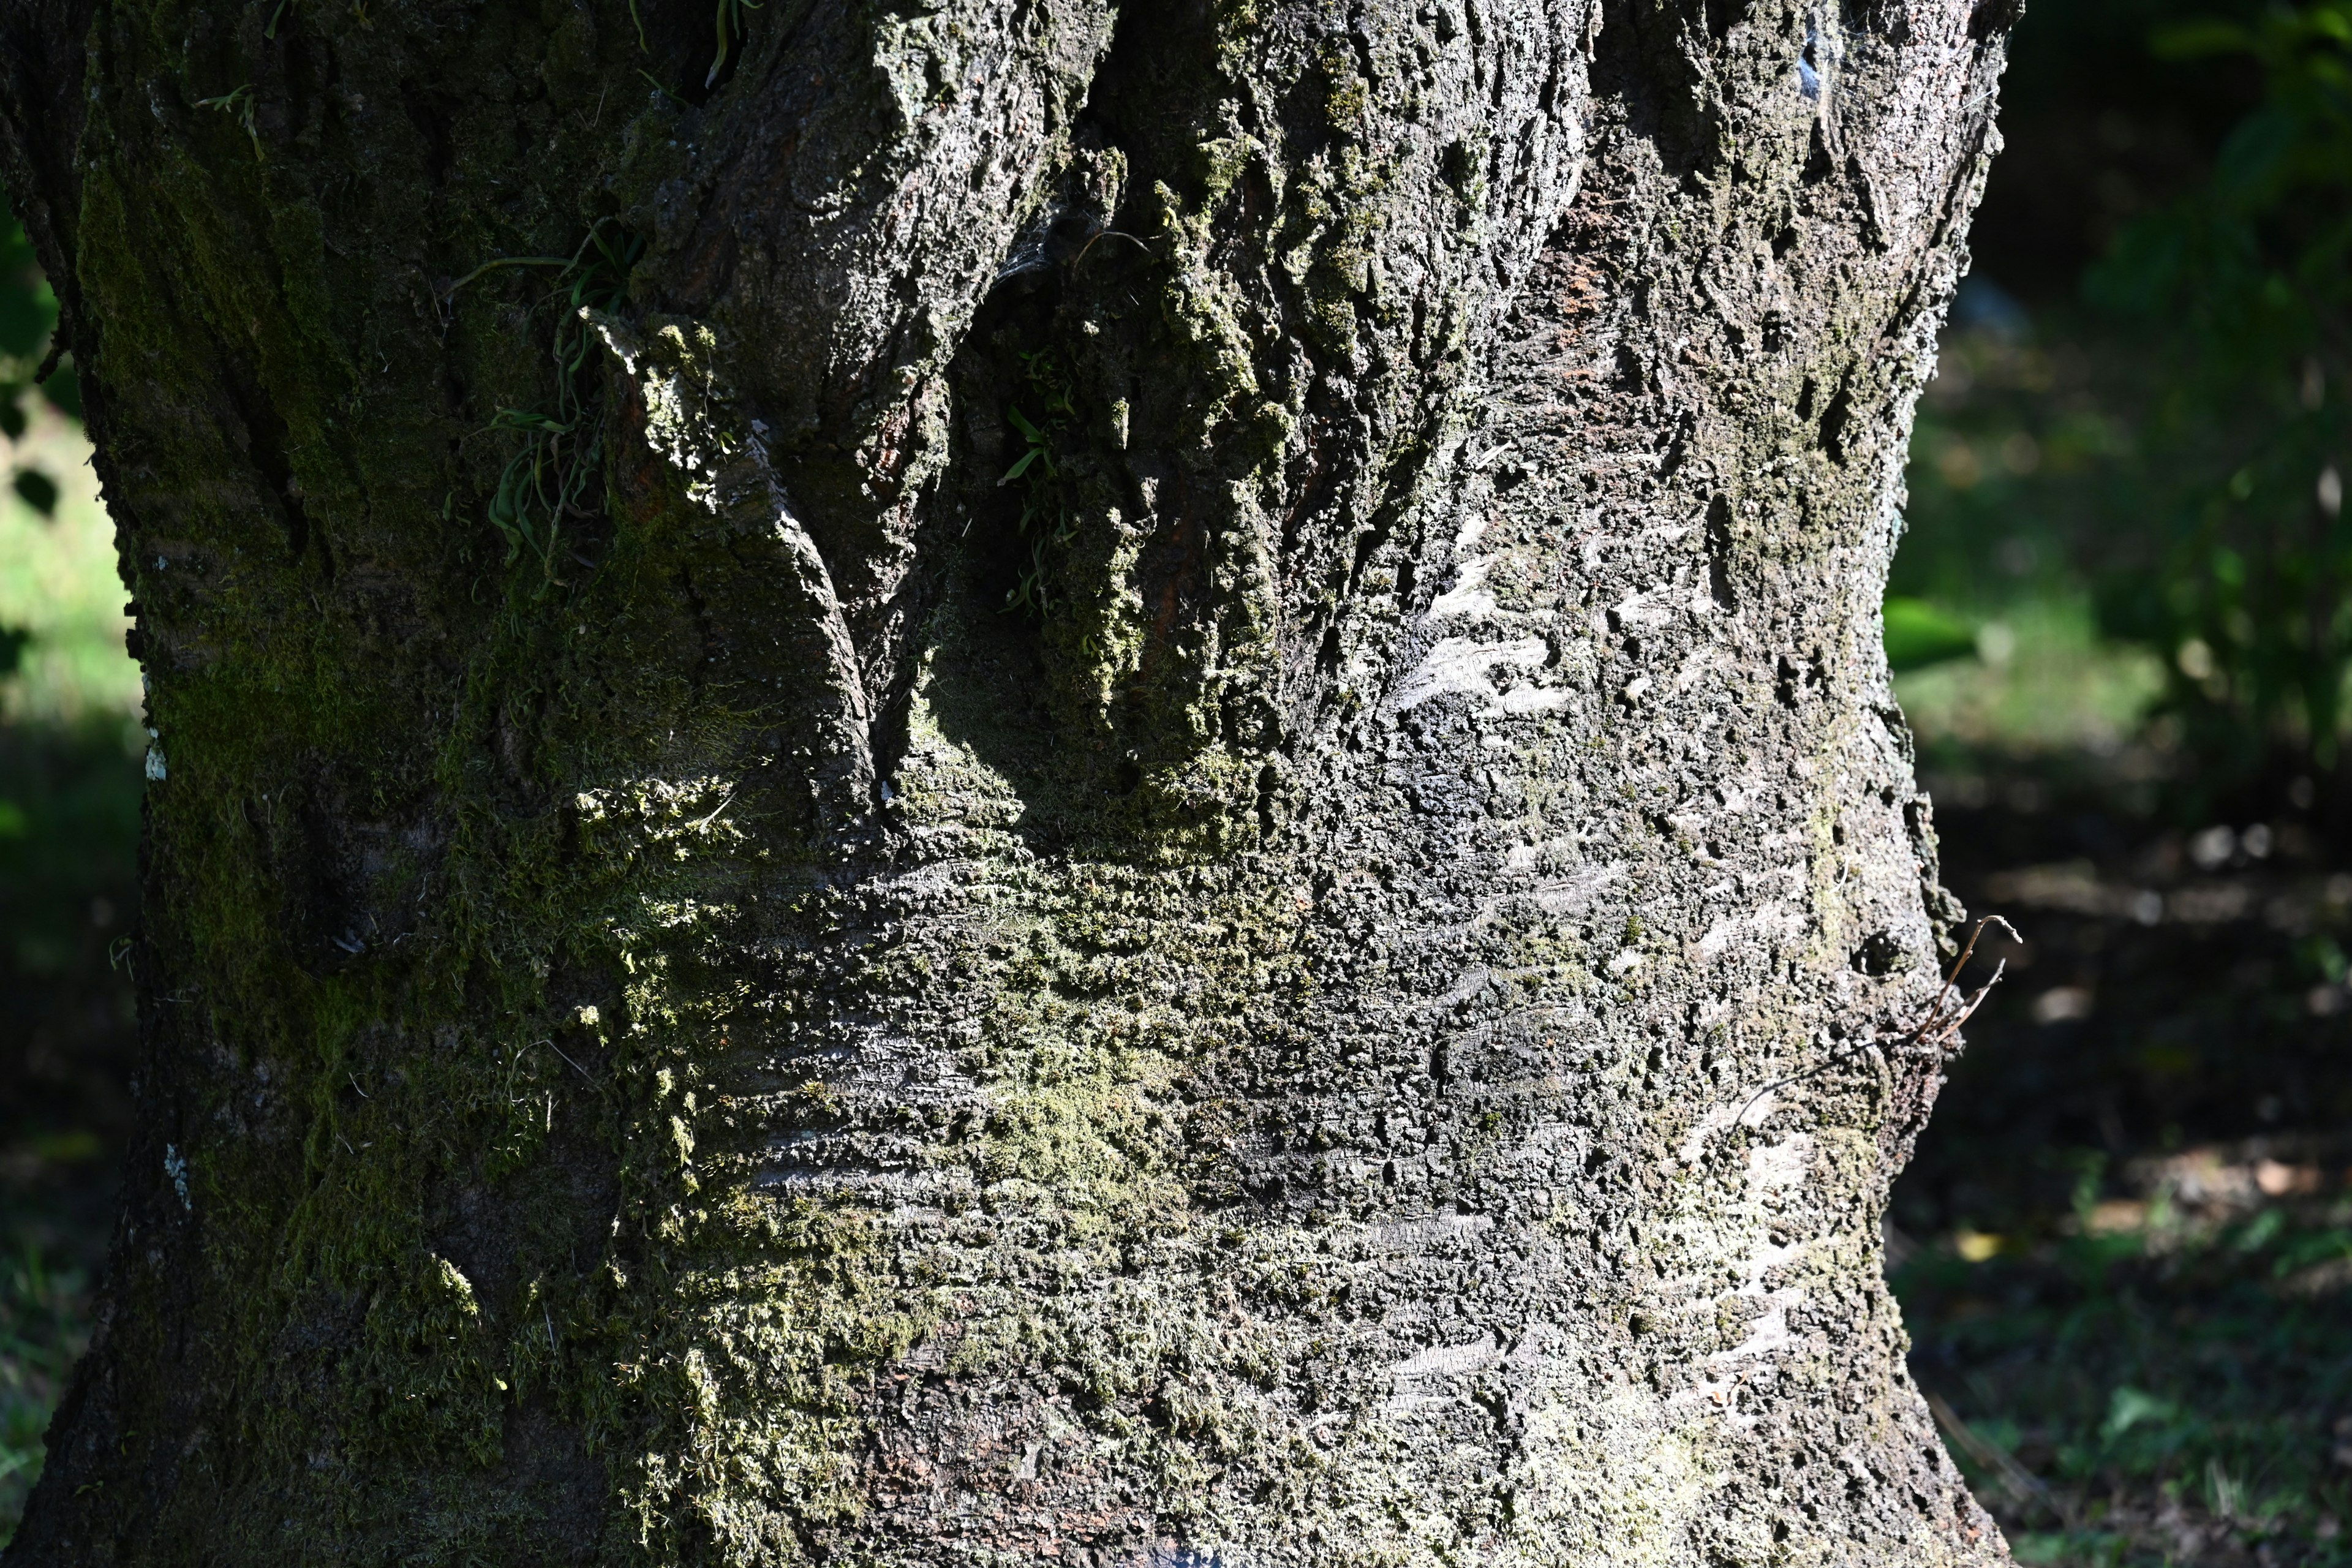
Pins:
x,y
68,832
2125,1248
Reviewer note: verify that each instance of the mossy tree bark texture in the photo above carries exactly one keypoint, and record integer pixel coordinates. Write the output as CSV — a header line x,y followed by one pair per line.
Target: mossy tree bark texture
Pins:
x,y
953,782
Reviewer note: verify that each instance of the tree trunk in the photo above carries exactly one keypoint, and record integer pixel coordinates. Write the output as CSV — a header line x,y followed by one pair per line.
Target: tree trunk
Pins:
x,y
956,782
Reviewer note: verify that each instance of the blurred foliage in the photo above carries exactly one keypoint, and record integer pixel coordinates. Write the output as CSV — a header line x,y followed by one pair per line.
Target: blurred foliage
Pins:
x,y
69,796
29,321
44,1327
1918,633
2117,478
2139,1388
2025,440
2243,285
28,318
2100,133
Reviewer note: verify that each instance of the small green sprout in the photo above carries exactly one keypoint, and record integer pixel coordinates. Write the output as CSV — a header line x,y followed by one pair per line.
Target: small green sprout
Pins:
x,y
1039,475
238,102
553,475
730,29
731,33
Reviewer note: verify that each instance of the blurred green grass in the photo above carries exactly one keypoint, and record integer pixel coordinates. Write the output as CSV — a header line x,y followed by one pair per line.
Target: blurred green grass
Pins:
x,y
2154,1380
2037,678
2125,1377
57,583
2018,448
70,791
43,1326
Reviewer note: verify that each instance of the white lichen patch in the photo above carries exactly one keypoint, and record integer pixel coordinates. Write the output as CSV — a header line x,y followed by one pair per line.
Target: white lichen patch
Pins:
x,y
1469,598
1606,1476
1464,665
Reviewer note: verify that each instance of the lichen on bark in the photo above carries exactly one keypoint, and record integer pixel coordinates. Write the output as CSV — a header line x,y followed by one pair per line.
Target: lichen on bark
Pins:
x,y
1348,999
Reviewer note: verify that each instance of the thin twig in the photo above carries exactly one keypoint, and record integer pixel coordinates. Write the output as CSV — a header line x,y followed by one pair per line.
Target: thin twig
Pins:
x,y
1966,953
2015,1480
575,1067
564,261
1108,234
1935,1019
705,822
507,261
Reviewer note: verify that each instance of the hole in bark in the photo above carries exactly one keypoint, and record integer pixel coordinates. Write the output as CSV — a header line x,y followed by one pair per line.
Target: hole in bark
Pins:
x,y
430,113
265,446
1835,419
1881,953
317,868
1008,441
1328,656
1789,683
989,677
1819,164
681,38
1722,15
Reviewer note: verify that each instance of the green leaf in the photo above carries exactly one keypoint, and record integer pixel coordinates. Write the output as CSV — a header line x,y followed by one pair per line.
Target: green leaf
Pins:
x,y
63,389
2199,41
28,310
2129,1406
37,490
1918,635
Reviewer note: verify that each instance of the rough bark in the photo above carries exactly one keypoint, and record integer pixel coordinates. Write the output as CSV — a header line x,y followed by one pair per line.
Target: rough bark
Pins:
x,y
1367,1018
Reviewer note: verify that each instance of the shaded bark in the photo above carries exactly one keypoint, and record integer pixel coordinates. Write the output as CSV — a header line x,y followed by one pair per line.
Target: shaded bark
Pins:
x,y
1170,831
